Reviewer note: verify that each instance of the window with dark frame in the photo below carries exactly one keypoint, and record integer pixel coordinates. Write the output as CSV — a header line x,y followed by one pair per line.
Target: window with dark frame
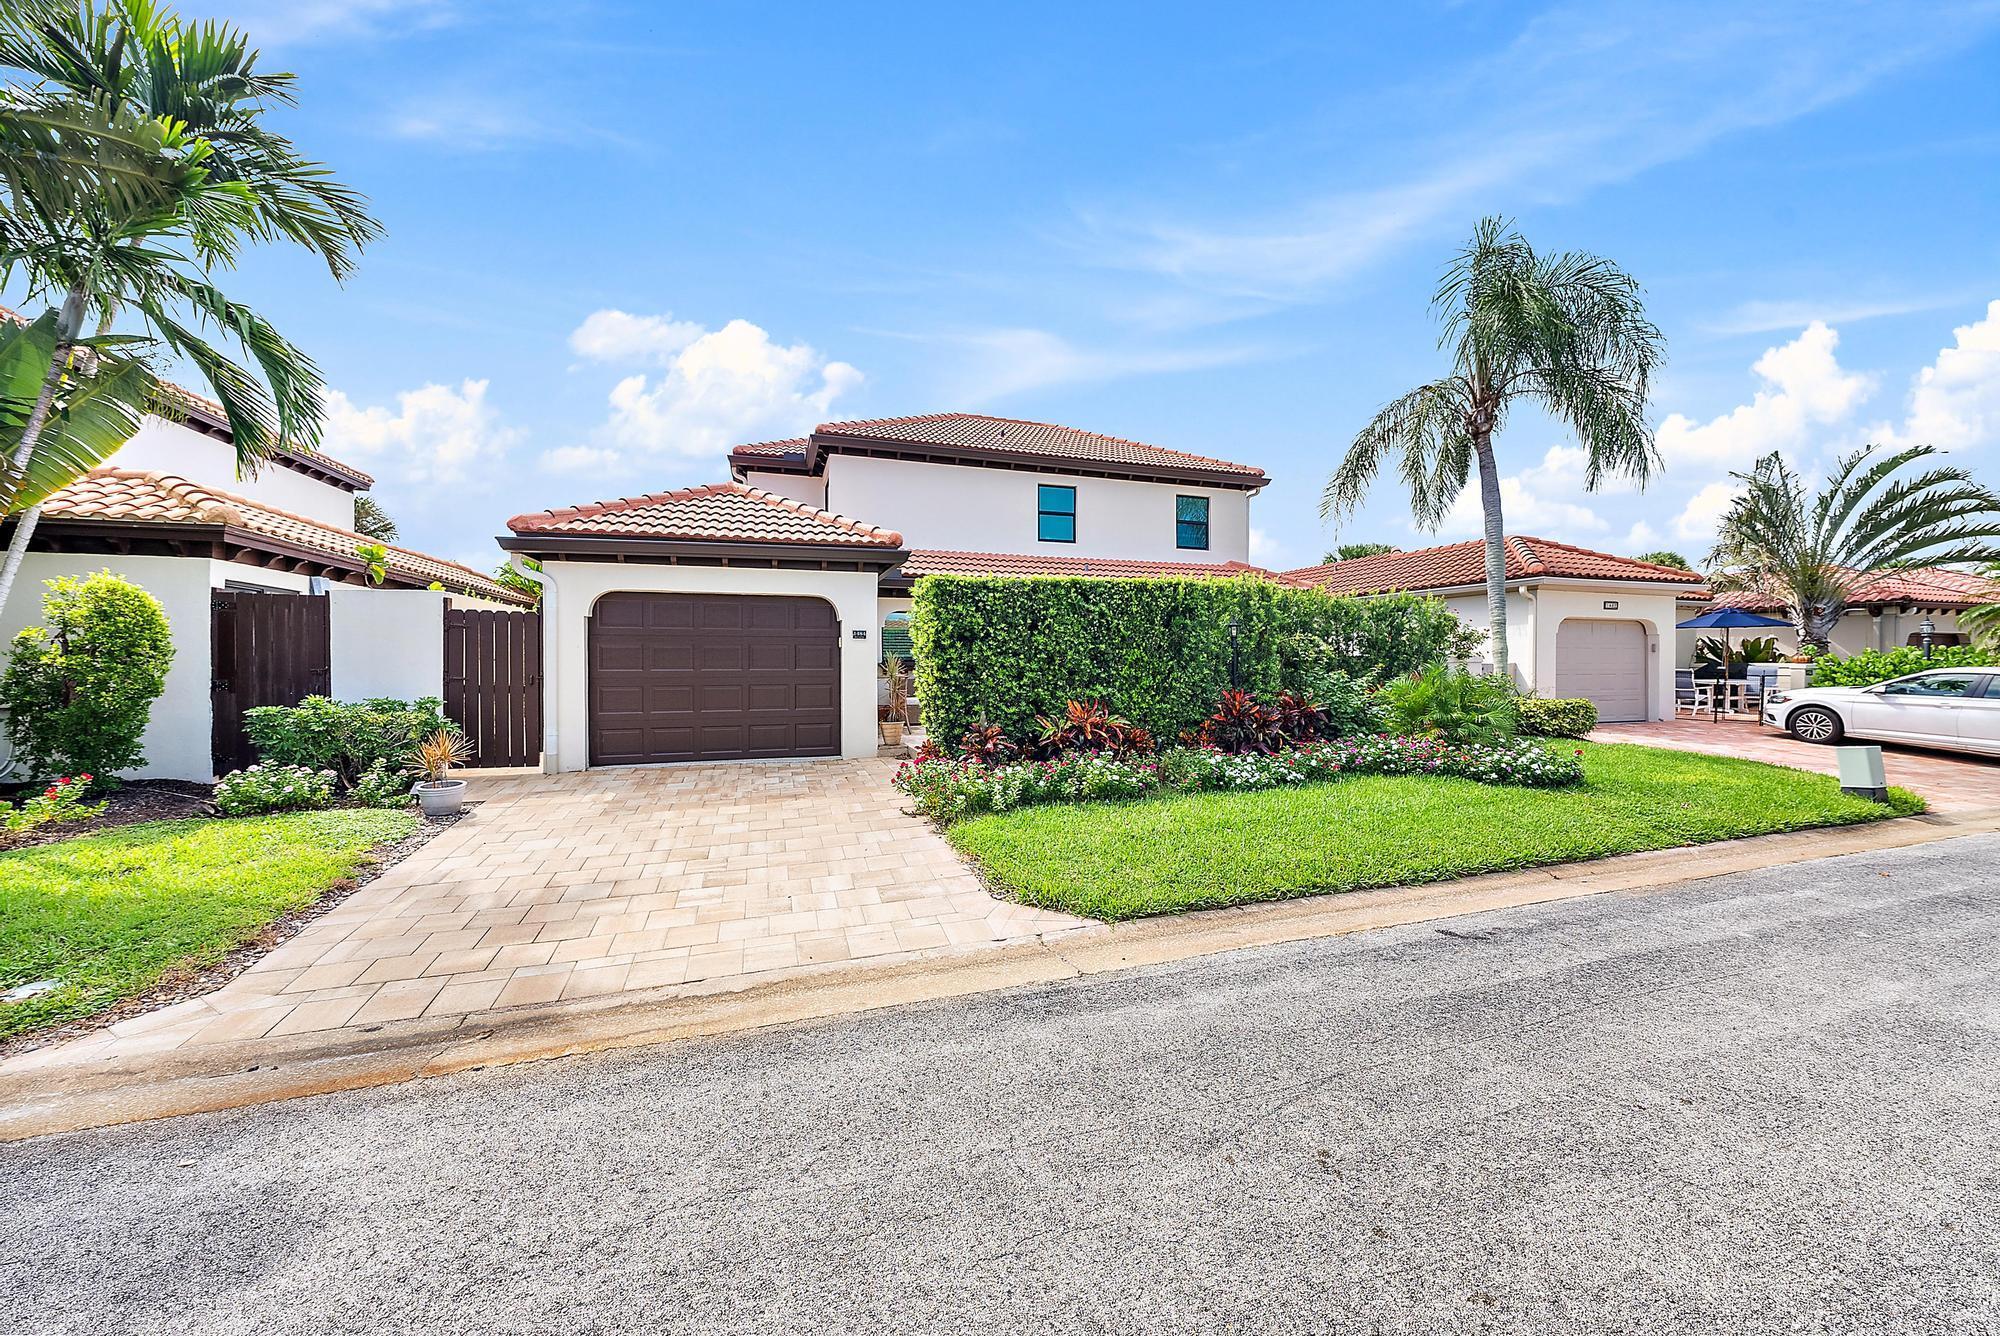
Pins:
x,y
1191,522
1055,514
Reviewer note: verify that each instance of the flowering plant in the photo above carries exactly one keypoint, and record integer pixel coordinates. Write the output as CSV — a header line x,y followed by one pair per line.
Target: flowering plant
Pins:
x,y
60,802
274,788
379,786
946,789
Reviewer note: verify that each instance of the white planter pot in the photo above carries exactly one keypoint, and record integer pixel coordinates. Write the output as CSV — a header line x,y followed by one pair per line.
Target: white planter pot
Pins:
x,y
444,798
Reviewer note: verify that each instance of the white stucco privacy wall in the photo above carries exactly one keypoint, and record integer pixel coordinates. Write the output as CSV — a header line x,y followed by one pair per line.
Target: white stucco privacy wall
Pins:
x,y
386,642
573,588
177,739
949,507
168,447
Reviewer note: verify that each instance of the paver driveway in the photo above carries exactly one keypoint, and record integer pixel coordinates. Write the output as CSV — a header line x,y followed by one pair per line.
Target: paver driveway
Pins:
x,y
610,882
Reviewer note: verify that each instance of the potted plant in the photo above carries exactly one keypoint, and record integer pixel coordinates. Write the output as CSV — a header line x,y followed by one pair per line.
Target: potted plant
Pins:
x,y
896,674
438,793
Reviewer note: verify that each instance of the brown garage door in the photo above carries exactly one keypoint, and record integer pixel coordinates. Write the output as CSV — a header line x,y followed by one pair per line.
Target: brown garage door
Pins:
x,y
712,677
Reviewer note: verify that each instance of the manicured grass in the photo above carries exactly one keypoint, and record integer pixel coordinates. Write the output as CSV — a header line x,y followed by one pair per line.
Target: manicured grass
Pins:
x,y
110,914
1193,851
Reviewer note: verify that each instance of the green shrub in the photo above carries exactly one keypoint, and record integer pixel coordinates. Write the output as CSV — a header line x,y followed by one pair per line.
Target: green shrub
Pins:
x,y
79,688
1452,705
1554,718
1874,665
349,738
383,786
1002,650
274,788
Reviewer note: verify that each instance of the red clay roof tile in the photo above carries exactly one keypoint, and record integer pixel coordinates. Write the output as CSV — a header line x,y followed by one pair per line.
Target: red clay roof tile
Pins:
x,y
722,512
1464,564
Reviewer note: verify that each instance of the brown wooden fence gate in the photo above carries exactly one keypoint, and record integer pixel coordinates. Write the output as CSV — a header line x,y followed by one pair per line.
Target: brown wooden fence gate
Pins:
x,y
493,683
265,649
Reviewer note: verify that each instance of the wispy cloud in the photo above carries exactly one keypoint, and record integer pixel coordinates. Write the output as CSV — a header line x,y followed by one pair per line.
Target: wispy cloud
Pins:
x,y
1764,317
986,365
470,120
1584,97
284,22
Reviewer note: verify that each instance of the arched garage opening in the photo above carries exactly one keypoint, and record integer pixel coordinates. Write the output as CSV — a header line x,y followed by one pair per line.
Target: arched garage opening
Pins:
x,y
1604,661
712,677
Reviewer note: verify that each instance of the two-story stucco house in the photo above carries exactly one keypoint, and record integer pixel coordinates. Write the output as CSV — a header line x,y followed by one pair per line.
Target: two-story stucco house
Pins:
x,y
745,619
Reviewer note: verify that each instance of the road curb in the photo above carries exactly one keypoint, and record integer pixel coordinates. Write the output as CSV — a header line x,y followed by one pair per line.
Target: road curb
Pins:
x,y
66,1097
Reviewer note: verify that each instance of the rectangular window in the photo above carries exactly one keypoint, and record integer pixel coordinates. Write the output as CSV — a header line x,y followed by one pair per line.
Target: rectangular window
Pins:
x,y
1191,522
1055,517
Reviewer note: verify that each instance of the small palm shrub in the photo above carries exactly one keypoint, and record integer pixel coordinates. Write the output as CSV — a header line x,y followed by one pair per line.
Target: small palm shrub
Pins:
x,y
1554,718
1452,705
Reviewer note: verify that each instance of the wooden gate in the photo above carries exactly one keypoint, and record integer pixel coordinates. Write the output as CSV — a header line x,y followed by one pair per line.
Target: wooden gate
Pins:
x,y
493,683
265,649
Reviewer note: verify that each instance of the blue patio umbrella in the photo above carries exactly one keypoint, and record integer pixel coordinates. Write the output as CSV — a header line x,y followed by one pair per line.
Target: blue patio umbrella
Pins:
x,y
1726,620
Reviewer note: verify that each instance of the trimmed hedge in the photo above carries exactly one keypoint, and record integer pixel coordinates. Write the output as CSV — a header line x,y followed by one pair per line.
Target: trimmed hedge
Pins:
x,y
1001,649
1554,718
1873,665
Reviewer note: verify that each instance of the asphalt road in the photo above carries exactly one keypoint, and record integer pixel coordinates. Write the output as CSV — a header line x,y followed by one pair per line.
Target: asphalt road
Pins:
x,y
1768,1102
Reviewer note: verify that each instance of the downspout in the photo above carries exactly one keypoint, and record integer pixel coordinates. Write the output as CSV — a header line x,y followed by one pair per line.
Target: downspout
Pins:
x,y
551,657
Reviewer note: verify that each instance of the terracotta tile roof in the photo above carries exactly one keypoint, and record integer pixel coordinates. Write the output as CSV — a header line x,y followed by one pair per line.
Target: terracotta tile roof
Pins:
x,y
1921,586
1007,563
722,512
1012,438
213,413
109,493
1459,564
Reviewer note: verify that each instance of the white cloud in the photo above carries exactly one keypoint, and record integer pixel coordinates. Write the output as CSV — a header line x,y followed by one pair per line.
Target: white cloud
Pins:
x,y
1764,317
582,459
275,22
721,388
1547,500
1955,402
1641,536
1804,392
1703,513
1598,94
617,336
1267,551
436,434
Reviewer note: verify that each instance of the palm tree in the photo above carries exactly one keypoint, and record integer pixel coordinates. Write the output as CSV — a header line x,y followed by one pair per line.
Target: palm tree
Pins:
x,y
1983,622
1666,557
227,180
371,521
1818,548
1567,333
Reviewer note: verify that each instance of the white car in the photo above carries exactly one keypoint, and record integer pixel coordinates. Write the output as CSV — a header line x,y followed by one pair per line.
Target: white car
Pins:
x,y
1956,708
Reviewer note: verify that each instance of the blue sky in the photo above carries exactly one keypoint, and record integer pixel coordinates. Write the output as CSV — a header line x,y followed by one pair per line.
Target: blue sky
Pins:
x,y
621,238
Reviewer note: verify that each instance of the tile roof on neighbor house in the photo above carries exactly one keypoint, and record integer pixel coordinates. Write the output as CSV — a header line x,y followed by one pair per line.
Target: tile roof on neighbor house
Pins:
x,y
976,437
722,512
922,563
210,415
132,496
1464,564
1921,586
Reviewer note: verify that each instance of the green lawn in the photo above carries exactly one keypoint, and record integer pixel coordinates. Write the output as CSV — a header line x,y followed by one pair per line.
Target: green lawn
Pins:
x,y
1194,851
110,914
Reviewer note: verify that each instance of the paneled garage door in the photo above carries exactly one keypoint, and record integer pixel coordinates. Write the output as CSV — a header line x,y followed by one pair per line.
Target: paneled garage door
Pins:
x,y
712,677
1605,663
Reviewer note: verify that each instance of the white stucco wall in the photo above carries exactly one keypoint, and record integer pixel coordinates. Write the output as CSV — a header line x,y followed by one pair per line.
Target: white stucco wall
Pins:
x,y
169,447
386,642
964,509
1536,611
177,733
575,586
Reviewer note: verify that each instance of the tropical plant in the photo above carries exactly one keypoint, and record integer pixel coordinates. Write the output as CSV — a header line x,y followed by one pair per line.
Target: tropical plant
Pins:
x,y
1566,333
896,678
1816,548
1353,551
1451,705
1709,651
181,106
79,689
374,561
1240,723
989,745
371,521
1088,726
1666,557
1983,622
506,575
438,753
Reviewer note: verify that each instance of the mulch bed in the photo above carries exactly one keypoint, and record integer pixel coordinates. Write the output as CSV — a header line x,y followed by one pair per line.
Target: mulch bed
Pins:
x,y
182,984
131,802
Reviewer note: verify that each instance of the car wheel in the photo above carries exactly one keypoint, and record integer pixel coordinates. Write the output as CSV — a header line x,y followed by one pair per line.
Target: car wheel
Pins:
x,y
1814,724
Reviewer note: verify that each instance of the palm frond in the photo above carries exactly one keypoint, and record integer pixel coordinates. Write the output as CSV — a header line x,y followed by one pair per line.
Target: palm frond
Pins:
x,y
1425,429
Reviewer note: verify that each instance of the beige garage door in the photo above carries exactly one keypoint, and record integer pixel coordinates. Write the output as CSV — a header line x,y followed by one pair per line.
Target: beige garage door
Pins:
x,y
1604,662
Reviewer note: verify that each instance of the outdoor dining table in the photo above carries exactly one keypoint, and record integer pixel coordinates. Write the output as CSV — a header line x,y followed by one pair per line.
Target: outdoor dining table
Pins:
x,y
1733,694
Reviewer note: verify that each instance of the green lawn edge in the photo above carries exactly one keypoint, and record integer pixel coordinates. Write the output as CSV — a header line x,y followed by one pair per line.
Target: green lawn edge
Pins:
x,y
114,913
1170,854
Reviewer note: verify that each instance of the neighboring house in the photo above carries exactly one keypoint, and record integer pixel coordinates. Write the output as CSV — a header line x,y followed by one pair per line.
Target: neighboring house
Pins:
x,y
1886,611
169,513
1580,623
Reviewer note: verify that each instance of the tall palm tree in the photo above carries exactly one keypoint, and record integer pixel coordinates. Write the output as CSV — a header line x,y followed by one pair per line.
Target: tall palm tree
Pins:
x,y
1817,548
1983,622
1567,333
103,253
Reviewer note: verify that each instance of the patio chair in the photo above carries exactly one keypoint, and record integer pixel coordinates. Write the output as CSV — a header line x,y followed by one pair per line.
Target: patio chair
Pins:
x,y
1688,698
